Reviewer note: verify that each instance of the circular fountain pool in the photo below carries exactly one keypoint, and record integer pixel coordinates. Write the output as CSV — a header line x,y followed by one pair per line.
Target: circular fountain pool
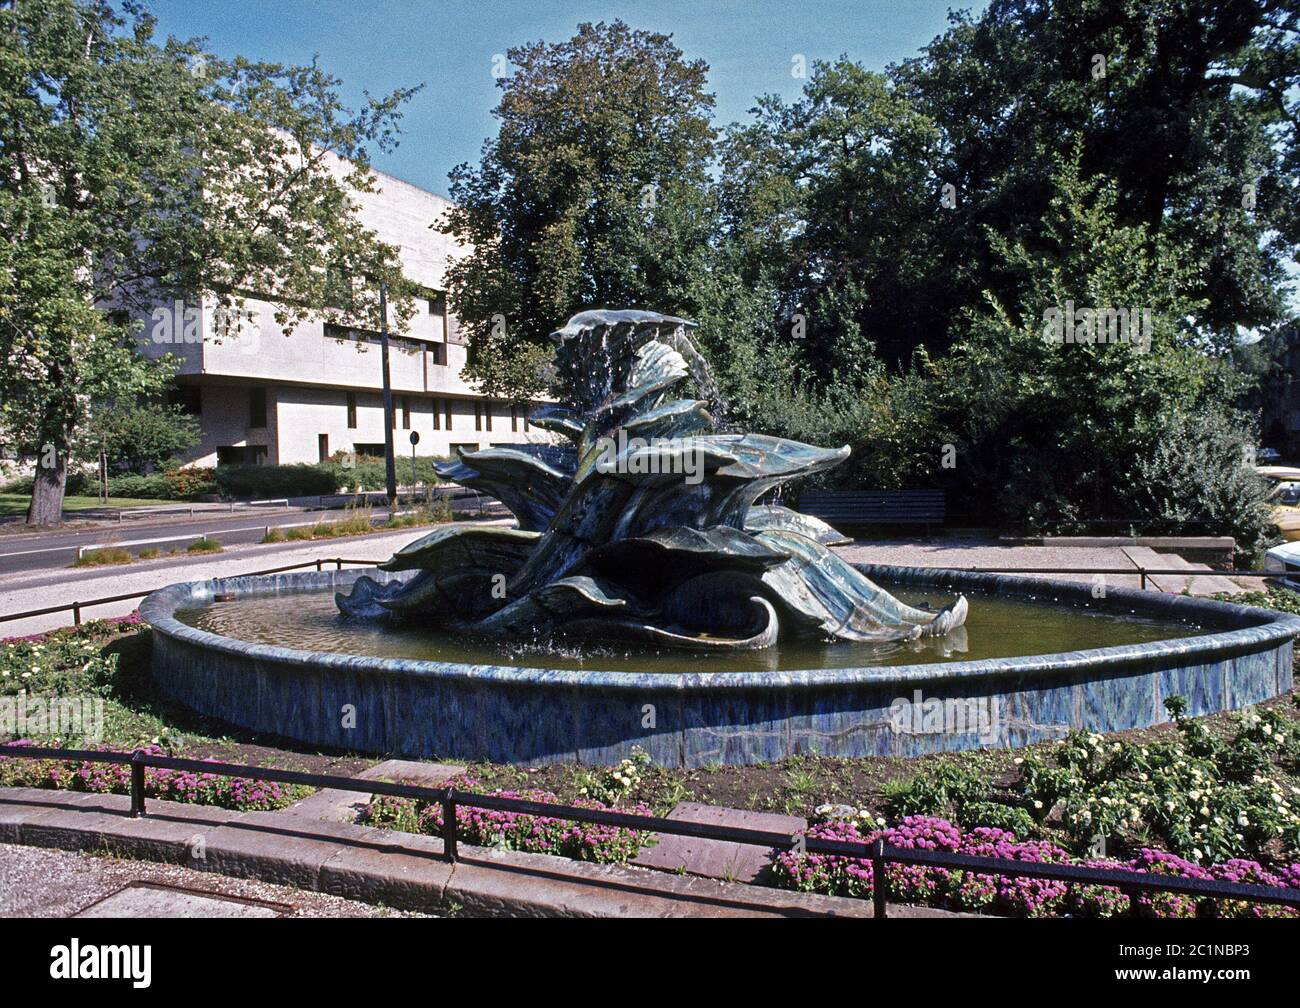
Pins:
x,y
1036,659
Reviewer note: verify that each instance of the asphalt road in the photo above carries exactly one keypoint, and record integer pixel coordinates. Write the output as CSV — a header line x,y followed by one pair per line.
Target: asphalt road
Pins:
x,y
49,550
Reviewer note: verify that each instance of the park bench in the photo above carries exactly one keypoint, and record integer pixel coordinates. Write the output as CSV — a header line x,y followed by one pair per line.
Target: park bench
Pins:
x,y
855,508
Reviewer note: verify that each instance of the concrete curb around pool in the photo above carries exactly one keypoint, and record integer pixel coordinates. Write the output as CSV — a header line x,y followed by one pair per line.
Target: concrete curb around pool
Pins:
x,y
509,714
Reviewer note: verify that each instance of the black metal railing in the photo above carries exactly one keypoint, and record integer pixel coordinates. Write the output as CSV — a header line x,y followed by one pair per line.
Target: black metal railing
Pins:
x,y
880,854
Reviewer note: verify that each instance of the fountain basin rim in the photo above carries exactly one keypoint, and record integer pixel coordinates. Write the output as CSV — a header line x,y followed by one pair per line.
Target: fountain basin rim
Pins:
x,y
1248,629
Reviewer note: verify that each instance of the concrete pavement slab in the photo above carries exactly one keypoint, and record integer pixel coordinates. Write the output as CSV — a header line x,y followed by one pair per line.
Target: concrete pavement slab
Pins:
x,y
718,859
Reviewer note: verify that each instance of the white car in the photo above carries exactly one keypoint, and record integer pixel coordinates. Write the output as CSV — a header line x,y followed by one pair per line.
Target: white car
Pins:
x,y
1285,559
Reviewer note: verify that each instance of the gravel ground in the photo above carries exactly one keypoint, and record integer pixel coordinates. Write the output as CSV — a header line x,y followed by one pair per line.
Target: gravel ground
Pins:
x,y
37,882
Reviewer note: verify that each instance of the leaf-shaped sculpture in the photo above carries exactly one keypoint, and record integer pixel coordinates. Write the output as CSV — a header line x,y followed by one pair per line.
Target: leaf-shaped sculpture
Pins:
x,y
646,527
531,488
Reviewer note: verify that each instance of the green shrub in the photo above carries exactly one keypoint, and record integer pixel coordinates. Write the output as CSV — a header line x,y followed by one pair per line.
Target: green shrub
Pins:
x,y
204,545
1196,473
258,482
189,482
1198,794
81,483
363,472
153,487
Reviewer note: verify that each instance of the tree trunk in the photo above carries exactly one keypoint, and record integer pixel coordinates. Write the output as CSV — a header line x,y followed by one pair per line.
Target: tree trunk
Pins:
x,y
46,507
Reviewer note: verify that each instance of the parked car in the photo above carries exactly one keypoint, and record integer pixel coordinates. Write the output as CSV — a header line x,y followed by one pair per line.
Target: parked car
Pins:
x,y
1285,497
1285,560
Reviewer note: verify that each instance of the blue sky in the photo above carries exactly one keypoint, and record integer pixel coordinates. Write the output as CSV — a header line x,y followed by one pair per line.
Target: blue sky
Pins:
x,y
378,45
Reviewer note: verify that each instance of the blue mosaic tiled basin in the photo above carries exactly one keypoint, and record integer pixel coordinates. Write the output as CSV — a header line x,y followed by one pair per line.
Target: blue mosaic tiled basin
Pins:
x,y
506,713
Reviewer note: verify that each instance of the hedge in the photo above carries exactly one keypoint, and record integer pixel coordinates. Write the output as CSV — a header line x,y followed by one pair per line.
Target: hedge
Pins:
x,y
258,482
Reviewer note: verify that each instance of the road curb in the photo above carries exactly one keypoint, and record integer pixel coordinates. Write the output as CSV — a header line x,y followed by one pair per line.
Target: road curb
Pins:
x,y
384,867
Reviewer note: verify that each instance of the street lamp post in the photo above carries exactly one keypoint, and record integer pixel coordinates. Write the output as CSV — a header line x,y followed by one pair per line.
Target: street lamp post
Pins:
x,y
390,465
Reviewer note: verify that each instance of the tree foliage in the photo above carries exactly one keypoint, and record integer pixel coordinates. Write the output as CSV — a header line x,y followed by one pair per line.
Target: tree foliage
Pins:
x,y
138,437
139,170
594,193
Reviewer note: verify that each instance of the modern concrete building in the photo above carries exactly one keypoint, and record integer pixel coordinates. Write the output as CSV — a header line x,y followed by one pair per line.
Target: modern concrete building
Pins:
x,y
265,395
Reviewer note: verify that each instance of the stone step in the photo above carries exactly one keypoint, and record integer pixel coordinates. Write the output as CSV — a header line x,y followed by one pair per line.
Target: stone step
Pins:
x,y
333,805
718,859
1209,584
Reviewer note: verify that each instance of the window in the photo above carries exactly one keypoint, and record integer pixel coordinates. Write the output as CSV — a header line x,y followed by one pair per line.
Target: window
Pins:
x,y
369,450
188,397
514,417
241,455
338,332
438,351
438,305
478,415
352,411
487,415
447,416
437,415
257,407
323,446
406,412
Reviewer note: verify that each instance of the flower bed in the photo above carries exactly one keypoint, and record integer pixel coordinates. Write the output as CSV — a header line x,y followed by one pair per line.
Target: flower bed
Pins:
x,y
1204,795
239,793
1013,896
512,830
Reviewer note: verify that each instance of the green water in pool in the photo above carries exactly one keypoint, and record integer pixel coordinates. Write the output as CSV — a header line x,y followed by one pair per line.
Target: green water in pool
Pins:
x,y
996,628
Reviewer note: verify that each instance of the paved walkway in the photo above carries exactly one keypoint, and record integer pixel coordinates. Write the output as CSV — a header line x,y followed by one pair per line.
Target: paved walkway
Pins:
x,y
36,882
959,552
38,589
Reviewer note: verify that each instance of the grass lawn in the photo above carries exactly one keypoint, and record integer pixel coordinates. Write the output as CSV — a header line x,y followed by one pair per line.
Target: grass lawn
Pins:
x,y
16,504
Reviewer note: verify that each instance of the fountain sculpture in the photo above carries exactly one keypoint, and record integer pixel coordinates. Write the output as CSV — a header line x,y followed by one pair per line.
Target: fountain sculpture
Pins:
x,y
645,526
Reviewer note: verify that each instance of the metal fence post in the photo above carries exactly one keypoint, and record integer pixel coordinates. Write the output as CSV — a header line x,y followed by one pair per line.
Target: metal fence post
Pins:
x,y
76,614
137,784
1142,572
449,824
879,882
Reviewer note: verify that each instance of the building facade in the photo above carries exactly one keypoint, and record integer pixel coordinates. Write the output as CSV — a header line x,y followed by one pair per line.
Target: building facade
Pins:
x,y
267,395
